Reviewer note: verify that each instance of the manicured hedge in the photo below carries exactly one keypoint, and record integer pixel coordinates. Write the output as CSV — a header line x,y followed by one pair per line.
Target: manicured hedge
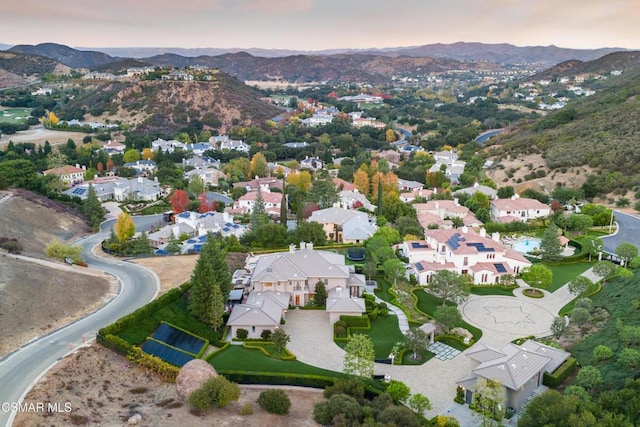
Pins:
x,y
360,322
555,379
260,346
274,378
166,370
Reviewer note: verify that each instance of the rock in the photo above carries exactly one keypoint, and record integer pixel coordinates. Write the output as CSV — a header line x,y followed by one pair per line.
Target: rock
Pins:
x,y
191,377
134,420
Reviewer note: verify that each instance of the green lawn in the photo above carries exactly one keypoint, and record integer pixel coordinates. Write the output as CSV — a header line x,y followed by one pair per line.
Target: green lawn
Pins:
x,y
428,304
492,290
176,314
384,334
382,291
237,358
564,273
16,116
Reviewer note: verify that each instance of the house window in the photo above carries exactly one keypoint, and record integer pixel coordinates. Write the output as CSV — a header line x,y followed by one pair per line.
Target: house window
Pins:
x,y
253,329
267,285
465,261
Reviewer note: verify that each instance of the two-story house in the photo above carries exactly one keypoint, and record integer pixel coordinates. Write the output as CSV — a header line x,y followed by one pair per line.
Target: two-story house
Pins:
x,y
484,259
518,209
69,175
345,225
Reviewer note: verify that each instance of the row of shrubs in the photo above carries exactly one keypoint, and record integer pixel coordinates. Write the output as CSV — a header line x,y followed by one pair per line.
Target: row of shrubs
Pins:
x,y
260,346
562,373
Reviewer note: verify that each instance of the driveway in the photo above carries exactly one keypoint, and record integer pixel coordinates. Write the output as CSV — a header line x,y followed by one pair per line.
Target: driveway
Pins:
x,y
628,230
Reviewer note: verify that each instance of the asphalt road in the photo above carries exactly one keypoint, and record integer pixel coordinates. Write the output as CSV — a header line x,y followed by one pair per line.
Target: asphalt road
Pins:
x,y
20,370
628,231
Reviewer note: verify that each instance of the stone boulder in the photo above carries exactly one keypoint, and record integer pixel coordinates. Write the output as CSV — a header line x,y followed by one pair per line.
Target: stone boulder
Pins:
x,y
191,377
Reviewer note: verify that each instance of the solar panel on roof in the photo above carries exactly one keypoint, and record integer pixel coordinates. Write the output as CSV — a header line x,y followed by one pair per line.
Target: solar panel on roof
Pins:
x,y
419,245
500,268
480,247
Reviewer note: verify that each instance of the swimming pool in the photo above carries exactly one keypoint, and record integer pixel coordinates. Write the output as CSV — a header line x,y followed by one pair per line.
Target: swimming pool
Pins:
x,y
526,245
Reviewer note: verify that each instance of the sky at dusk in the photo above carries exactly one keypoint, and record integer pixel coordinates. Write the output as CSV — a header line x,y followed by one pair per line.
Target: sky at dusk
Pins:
x,y
320,24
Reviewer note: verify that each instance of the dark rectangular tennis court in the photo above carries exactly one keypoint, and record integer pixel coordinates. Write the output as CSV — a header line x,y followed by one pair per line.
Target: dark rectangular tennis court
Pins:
x,y
166,353
179,339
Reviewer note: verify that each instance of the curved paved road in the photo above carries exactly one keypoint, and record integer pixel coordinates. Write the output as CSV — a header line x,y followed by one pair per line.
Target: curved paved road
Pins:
x,y
628,230
20,370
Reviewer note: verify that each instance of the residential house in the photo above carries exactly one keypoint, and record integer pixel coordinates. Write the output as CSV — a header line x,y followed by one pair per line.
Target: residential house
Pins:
x,y
263,184
407,185
199,162
198,149
69,175
448,161
391,156
162,236
262,311
312,163
298,271
484,259
343,185
120,189
518,209
354,200
166,146
245,204
137,189
211,222
359,122
518,369
345,225
411,196
440,213
295,144
208,175
142,167
318,119
225,143
491,193
114,147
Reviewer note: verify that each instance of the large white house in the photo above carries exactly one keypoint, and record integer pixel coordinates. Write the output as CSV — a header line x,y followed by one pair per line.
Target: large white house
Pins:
x,y
246,204
518,209
463,251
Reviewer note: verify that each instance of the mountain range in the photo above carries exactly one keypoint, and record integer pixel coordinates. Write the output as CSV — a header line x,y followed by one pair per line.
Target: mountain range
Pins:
x,y
502,53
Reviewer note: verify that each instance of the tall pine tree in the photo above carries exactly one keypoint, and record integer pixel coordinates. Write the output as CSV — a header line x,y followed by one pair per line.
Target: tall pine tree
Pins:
x,y
93,210
210,284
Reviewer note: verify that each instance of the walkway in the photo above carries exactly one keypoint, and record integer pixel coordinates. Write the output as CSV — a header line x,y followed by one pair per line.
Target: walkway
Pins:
x,y
403,323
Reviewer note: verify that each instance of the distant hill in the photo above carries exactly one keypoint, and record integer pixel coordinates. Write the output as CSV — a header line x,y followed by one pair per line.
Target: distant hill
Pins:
x,y
505,53
25,64
5,46
315,68
620,61
64,54
164,108
120,65
462,51
601,131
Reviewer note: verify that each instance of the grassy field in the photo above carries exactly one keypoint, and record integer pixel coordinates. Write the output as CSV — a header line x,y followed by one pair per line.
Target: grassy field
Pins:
x,y
428,304
16,116
384,334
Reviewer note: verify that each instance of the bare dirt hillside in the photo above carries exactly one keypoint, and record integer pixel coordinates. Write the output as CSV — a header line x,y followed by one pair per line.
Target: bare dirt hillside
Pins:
x,y
37,299
35,221
104,389
38,296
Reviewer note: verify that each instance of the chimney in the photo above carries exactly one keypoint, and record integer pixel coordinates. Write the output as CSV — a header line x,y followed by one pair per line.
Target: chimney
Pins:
x,y
465,229
310,246
483,232
139,180
495,237
78,165
292,248
303,245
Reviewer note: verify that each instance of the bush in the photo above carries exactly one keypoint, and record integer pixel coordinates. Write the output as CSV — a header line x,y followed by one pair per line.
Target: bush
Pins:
x,y
383,306
247,409
266,335
242,334
602,352
351,387
356,321
217,391
340,331
341,323
384,312
373,315
274,402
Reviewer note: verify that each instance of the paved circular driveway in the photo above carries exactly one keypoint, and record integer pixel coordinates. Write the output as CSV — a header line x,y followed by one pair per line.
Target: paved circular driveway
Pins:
x,y
509,315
